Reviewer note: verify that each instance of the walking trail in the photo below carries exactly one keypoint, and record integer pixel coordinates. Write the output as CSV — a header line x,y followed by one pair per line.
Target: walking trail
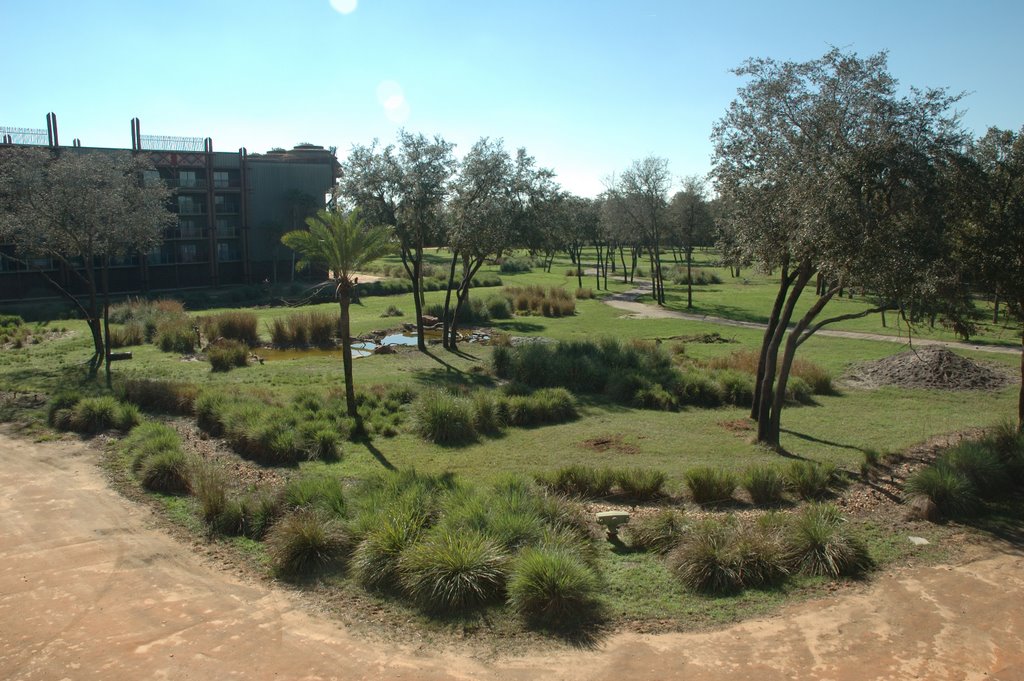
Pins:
x,y
627,301
91,588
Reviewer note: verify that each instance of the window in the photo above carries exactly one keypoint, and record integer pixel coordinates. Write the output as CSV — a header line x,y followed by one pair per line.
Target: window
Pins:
x,y
188,253
227,252
220,178
186,178
188,205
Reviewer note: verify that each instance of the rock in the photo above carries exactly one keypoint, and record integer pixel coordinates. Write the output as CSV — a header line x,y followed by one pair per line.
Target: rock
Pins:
x,y
922,508
384,350
919,541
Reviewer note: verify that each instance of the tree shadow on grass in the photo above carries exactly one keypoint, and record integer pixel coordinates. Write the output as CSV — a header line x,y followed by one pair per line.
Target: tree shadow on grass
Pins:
x,y
452,377
376,453
518,326
821,441
1002,520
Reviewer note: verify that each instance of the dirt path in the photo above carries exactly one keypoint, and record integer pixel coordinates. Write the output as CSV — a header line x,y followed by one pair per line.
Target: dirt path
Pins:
x,y
627,302
90,588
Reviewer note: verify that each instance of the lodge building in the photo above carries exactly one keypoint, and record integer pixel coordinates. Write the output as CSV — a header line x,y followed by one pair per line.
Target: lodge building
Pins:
x,y
231,207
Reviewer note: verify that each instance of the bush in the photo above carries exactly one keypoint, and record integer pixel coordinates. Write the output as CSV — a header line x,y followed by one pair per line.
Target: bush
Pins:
x,y
552,588
375,561
810,480
58,411
304,543
737,388
546,406
487,417
950,490
797,390
584,294
698,389
227,354
551,302
515,265
168,397
392,311
176,334
818,544
498,307
640,483
659,532
444,419
765,484
316,492
709,485
452,572
166,472
236,326
1008,443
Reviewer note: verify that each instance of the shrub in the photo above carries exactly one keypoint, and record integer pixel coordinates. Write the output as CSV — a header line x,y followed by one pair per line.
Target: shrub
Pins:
x,y
797,390
316,492
810,480
498,307
58,411
765,484
737,388
442,418
392,311
698,389
487,418
818,544
546,406
950,490
209,408
640,483
227,354
176,334
659,532
515,265
760,554
166,472
552,588
817,379
169,397
306,542
237,326
452,572
1008,443
709,485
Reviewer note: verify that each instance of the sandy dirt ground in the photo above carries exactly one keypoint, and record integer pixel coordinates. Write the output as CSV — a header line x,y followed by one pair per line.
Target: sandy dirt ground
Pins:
x,y
627,302
92,588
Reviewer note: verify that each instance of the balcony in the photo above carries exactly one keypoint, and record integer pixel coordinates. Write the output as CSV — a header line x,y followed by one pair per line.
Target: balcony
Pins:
x,y
174,234
177,183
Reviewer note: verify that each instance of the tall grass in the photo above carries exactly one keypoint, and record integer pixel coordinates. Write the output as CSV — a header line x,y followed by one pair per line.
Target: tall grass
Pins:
x,y
819,544
225,355
305,543
236,326
709,485
452,572
553,588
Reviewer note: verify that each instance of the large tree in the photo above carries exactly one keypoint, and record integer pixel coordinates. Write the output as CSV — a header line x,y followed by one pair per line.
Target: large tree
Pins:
x,y
342,244
405,187
995,236
826,169
81,209
641,197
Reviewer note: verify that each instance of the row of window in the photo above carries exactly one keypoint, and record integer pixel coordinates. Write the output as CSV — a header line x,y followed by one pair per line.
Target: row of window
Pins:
x,y
168,254
194,179
196,205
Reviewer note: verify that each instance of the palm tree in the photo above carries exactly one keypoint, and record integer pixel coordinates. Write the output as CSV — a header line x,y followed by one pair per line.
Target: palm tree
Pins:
x,y
343,244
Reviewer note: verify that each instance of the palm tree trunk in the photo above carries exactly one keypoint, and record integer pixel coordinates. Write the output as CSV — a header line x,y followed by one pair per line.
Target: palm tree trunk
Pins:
x,y
346,352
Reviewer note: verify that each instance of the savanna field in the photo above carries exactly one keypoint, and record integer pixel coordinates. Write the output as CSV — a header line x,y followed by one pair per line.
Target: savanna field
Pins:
x,y
463,495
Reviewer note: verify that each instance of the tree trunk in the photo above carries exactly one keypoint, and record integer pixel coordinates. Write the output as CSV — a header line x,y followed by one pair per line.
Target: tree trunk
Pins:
x,y
93,320
792,342
106,320
995,309
1020,395
769,332
766,405
346,352
469,271
689,279
448,320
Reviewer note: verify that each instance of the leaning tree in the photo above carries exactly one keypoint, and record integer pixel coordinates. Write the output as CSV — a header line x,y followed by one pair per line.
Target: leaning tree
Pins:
x,y
82,210
826,169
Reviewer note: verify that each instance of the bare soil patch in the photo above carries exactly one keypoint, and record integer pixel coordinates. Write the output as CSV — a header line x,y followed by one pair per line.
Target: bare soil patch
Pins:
x,y
613,443
931,367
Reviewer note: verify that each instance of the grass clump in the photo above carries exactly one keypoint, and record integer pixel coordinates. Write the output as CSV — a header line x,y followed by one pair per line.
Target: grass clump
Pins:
x,y
537,300
236,326
950,490
726,557
810,480
147,440
304,329
177,333
642,484
453,571
764,483
710,485
440,417
127,335
818,543
552,588
659,532
316,492
166,397
167,472
225,355
93,415
304,543
584,482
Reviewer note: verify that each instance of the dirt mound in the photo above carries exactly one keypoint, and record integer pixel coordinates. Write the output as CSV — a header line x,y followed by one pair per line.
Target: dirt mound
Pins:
x,y
932,366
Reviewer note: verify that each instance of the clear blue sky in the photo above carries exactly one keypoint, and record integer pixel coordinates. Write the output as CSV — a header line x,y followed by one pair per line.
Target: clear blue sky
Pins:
x,y
585,85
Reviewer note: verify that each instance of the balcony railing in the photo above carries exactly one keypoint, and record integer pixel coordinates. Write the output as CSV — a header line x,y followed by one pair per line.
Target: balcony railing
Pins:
x,y
179,183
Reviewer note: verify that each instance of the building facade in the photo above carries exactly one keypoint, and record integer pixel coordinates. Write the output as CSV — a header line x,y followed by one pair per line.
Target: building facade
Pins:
x,y
231,207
